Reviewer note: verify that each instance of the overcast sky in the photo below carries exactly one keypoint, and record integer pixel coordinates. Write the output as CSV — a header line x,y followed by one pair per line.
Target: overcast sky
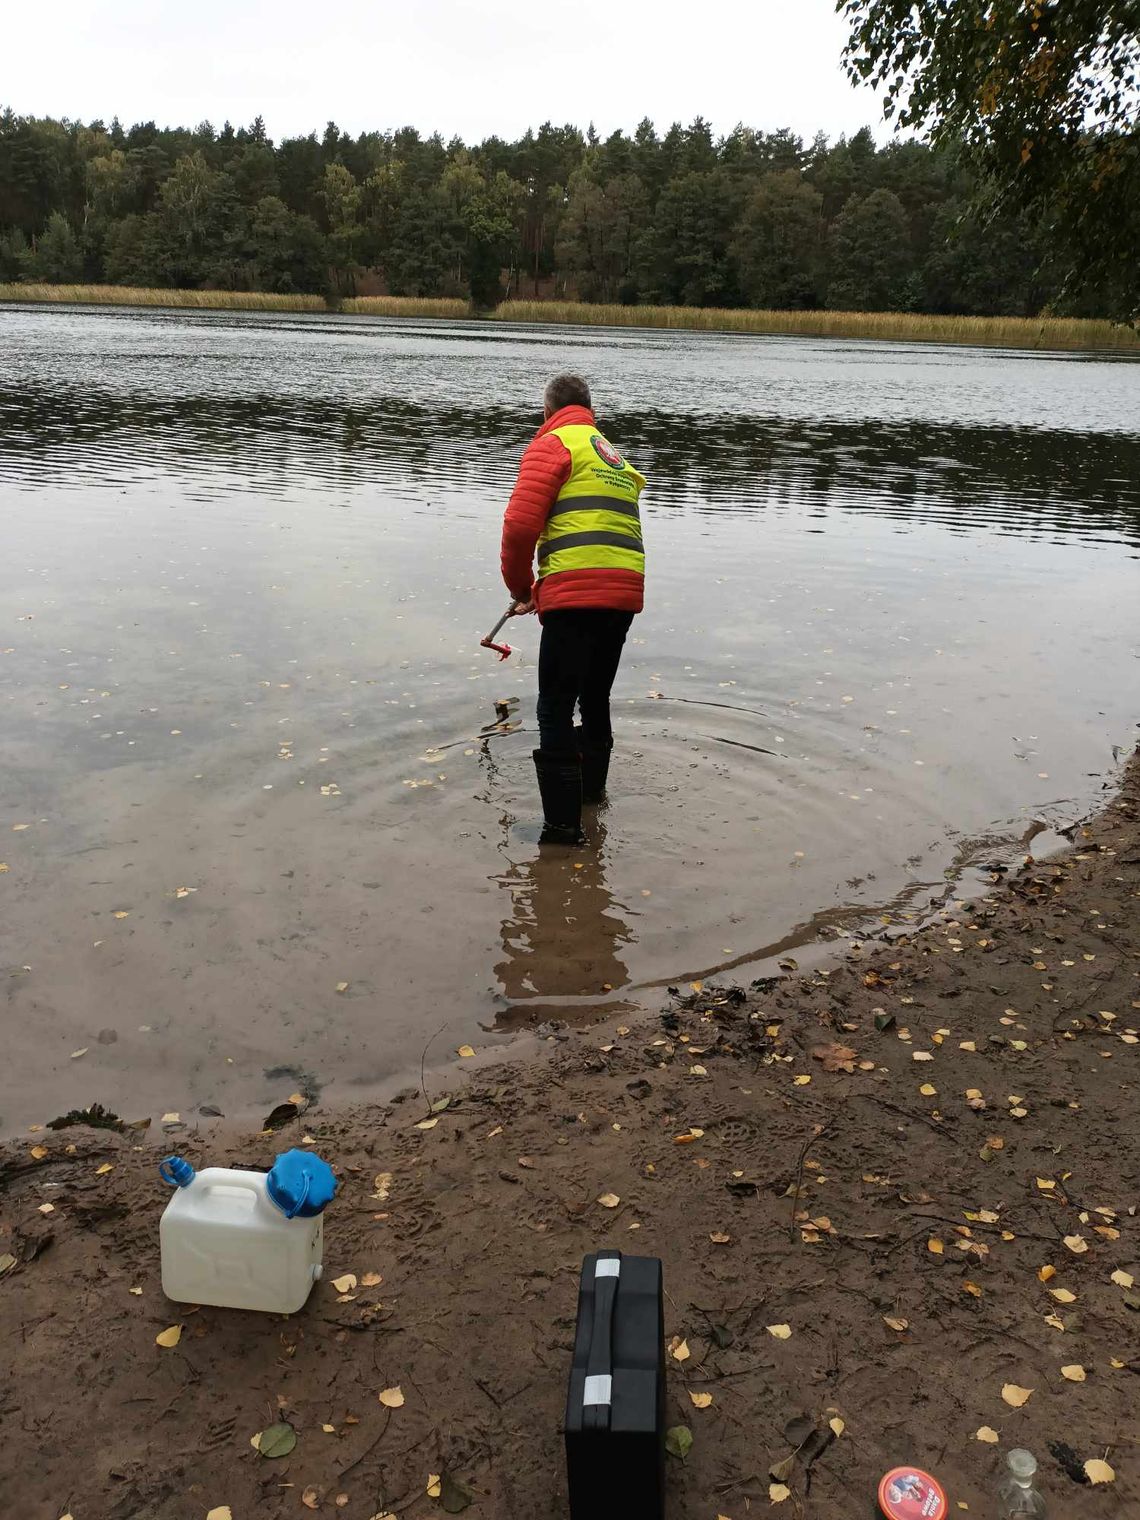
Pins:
x,y
464,67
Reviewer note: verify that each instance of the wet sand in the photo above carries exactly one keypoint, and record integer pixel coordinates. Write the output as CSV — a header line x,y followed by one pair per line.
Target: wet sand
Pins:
x,y
903,1236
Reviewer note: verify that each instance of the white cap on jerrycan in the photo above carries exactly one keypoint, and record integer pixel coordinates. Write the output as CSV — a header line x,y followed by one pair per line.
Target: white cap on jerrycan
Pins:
x,y
245,1240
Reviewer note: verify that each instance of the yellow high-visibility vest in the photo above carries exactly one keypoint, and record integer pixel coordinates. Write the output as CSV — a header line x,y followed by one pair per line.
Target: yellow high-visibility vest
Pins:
x,y
594,523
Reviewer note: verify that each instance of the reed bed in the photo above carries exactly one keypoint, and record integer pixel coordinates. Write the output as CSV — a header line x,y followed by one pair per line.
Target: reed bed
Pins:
x,y
132,295
908,327
405,306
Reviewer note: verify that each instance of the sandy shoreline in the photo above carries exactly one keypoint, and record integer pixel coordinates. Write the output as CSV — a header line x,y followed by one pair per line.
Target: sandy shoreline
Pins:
x,y
854,1202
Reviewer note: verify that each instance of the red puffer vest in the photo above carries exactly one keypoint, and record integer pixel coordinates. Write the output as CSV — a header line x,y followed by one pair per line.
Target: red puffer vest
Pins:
x,y
544,470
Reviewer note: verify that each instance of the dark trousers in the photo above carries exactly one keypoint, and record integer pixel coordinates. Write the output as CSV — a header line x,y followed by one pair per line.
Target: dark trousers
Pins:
x,y
577,662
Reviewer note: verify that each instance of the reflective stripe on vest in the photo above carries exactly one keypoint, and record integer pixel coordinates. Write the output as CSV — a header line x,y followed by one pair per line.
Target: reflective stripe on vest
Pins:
x,y
595,523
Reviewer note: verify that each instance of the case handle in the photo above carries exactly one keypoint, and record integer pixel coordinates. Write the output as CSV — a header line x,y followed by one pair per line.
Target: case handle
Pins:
x,y
597,1394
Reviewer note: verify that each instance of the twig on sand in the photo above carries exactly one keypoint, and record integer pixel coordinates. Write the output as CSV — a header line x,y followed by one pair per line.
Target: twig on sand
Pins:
x,y
905,1113
423,1059
724,1377
368,1450
817,1133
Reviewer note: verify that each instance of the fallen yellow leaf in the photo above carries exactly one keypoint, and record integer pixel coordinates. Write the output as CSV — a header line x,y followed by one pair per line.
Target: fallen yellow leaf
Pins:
x,y
136,1291
342,986
346,1283
972,1289
1077,1244
838,1425
719,1238
466,1051
935,1246
1045,1273
778,1492
101,1171
701,1400
433,1486
311,1499
1062,1295
895,1323
801,1081
1075,1373
221,1512
609,1200
928,1090
38,1152
987,1433
427,1123
392,1398
371,1280
1014,1396
1097,1471
679,1350
1123,1279
169,1338
47,1208
780,1332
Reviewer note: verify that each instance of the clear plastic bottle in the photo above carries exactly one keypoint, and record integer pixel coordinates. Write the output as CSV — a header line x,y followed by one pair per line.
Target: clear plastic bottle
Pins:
x,y
1019,1494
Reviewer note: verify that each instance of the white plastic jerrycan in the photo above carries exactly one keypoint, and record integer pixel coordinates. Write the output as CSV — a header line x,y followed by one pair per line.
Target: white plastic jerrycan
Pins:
x,y
245,1240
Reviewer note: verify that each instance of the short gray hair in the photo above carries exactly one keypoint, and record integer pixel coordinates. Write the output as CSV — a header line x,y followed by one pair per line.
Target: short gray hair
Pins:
x,y
566,390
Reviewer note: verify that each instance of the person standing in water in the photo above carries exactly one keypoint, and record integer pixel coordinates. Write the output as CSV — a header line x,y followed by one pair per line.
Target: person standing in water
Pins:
x,y
575,506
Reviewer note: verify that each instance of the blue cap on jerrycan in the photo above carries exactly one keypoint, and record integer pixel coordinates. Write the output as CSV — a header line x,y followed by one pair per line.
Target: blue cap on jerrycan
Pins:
x,y
300,1183
176,1171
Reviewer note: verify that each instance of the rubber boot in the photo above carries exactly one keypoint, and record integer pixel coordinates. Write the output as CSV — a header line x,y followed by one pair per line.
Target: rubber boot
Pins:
x,y
595,770
560,787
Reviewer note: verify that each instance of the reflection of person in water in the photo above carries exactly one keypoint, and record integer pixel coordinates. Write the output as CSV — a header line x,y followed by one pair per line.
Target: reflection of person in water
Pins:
x,y
562,937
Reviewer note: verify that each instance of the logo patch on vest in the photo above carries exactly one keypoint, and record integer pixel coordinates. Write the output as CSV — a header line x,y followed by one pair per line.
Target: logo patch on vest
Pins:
x,y
607,452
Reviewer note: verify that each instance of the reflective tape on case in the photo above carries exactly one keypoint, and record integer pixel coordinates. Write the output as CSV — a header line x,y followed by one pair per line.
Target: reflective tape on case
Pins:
x,y
598,1390
609,1266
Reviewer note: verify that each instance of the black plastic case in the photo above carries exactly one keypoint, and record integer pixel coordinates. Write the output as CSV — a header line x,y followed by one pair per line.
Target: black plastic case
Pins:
x,y
615,1411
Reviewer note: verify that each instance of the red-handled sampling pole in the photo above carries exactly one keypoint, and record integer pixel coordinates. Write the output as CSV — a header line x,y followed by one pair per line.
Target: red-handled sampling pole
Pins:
x,y
502,650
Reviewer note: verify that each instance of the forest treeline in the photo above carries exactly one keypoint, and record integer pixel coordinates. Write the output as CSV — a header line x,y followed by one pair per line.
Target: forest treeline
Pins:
x,y
681,218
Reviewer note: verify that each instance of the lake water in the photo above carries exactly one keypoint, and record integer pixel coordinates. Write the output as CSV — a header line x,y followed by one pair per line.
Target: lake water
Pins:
x,y
892,619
